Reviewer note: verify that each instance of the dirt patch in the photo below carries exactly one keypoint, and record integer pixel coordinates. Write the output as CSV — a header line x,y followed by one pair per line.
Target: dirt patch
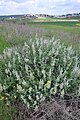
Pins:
x,y
51,109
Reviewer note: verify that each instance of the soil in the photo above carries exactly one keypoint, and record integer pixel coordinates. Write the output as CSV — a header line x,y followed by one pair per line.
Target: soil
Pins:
x,y
53,108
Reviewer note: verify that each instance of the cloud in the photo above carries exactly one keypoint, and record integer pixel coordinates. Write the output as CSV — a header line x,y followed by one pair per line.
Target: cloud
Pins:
x,y
39,6
14,7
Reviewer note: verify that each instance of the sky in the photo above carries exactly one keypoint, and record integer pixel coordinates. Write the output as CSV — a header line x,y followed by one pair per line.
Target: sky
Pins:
x,y
52,7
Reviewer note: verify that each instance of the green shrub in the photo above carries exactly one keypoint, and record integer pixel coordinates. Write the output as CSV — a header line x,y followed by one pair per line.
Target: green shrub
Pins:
x,y
38,69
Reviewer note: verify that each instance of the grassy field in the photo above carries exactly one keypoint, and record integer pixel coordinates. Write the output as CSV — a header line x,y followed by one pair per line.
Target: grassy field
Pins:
x,y
59,23
3,44
62,24
67,30
15,34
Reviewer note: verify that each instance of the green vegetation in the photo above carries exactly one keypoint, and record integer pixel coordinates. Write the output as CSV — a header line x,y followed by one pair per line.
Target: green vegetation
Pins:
x,y
59,23
7,112
37,69
68,26
67,31
3,44
32,68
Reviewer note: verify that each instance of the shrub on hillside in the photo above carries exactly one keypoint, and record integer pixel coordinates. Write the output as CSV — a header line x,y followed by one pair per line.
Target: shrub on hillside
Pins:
x,y
37,69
